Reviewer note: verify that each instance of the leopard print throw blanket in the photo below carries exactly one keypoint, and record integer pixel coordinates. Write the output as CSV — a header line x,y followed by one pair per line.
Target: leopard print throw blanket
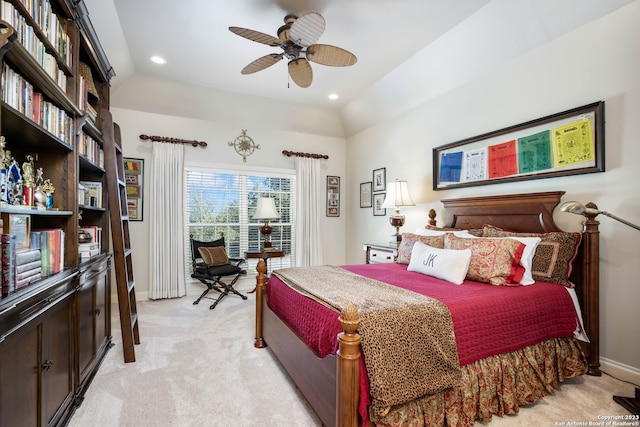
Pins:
x,y
407,339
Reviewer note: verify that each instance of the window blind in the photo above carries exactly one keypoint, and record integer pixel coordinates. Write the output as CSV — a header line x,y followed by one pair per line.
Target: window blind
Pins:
x,y
222,203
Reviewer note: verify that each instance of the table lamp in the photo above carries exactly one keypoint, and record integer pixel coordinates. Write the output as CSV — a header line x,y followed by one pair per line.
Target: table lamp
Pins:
x,y
266,210
397,196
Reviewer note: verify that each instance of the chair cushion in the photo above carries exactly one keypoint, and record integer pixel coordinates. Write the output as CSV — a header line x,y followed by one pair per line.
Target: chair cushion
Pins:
x,y
214,256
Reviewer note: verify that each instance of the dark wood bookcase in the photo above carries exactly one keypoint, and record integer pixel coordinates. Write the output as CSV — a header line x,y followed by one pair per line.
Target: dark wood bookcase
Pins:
x,y
54,331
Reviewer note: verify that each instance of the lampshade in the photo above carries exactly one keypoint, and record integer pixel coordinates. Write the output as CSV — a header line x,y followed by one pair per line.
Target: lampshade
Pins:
x,y
266,209
579,209
397,195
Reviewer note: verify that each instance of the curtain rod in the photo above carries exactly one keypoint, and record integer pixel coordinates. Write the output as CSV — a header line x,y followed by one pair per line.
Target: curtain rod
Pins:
x,y
299,154
173,140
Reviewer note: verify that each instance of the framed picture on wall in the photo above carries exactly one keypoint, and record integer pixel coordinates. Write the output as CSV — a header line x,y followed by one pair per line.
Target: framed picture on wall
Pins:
x,y
333,196
378,199
379,179
365,194
134,179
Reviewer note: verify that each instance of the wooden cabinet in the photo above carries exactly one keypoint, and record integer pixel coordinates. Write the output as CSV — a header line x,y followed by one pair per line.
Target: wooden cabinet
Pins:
x,y
54,329
380,253
36,361
94,325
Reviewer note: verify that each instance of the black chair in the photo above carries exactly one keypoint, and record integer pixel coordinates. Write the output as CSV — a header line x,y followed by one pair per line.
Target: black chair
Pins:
x,y
211,273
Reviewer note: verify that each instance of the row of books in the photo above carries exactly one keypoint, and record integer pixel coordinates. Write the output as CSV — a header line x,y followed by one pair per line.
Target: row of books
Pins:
x,y
20,94
27,36
89,148
44,257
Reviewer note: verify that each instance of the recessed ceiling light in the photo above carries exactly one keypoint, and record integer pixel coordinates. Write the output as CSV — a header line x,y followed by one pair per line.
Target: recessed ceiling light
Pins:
x,y
333,96
158,59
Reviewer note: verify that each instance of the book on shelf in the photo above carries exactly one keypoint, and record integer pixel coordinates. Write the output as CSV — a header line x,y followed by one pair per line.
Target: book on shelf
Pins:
x,y
87,251
29,266
8,283
28,273
51,244
28,255
92,193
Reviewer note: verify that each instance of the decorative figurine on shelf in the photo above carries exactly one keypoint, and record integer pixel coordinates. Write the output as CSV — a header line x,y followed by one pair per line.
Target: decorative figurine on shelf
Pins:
x,y
39,197
14,182
48,189
5,162
29,180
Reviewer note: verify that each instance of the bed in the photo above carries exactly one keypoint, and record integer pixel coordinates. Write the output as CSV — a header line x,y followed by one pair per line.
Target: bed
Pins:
x,y
333,384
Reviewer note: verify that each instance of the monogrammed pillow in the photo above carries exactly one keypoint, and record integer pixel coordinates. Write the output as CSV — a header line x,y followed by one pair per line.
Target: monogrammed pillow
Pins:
x,y
446,264
409,239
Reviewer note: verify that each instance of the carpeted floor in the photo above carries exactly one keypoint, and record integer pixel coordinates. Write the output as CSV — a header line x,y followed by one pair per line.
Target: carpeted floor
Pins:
x,y
198,367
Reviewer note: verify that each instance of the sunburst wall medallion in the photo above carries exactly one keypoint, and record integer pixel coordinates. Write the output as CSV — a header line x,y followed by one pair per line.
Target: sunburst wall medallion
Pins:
x,y
244,145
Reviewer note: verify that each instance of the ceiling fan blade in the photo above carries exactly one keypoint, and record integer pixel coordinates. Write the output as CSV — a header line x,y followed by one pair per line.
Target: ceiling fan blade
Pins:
x,y
326,54
255,36
300,72
261,63
307,29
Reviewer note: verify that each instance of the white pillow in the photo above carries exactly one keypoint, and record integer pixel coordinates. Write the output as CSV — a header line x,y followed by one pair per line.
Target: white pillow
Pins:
x,y
531,243
447,264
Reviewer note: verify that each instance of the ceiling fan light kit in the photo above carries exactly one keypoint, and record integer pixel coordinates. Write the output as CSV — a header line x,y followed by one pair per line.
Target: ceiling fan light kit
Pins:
x,y
298,40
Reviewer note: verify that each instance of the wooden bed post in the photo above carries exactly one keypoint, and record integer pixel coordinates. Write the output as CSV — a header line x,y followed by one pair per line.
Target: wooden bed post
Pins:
x,y
261,284
591,274
348,381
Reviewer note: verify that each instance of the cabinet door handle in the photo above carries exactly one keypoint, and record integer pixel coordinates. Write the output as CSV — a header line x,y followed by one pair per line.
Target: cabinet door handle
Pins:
x,y
47,364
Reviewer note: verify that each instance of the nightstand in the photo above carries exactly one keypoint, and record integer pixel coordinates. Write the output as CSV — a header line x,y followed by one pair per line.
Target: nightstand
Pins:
x,y
380,253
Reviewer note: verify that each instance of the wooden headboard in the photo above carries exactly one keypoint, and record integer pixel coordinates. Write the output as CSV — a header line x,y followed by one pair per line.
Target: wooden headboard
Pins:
x,y
533,212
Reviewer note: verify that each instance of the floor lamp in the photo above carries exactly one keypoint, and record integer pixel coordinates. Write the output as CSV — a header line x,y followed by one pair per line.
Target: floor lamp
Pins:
x,y
631,404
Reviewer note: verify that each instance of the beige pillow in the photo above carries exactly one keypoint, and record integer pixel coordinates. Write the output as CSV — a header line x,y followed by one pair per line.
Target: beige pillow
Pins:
x,y
214,256
409,239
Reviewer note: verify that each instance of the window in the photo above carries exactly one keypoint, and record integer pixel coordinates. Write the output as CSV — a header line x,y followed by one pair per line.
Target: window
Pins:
x,y
220,202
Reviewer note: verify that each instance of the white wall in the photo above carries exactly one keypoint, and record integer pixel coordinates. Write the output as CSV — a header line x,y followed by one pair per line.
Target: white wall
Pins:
x,y
600,61
218,152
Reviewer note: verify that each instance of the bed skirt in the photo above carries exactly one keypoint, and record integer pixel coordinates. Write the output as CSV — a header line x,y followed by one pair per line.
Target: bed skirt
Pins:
x,y
496,385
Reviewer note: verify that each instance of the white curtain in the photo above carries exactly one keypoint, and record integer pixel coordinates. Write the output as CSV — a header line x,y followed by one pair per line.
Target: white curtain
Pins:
x,y
308,237
166,224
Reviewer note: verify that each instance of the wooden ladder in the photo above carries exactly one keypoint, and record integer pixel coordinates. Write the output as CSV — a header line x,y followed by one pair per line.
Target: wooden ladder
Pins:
x,y
122,256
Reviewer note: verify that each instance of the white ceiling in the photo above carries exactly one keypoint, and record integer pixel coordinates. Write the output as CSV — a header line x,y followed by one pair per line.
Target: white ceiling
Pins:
x,y
389,37
193,36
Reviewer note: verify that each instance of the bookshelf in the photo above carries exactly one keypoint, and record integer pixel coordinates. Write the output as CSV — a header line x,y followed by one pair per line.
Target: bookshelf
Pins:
x,y
54,317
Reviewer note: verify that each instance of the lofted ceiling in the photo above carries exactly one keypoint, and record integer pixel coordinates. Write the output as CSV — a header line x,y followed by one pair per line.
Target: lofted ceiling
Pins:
x,y
193,36
407,50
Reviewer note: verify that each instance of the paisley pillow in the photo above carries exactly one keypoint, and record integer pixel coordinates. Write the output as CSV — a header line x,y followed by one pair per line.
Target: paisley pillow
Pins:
x,y
409,239
494,261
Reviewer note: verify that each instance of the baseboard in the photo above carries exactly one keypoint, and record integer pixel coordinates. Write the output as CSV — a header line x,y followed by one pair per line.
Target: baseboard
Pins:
x,y
620,371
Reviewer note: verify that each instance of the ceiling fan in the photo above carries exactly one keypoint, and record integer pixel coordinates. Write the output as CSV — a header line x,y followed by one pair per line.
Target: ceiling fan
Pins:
x,y
297,38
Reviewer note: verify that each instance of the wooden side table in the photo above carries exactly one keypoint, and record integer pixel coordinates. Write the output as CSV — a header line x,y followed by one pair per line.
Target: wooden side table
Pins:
x,y
265,255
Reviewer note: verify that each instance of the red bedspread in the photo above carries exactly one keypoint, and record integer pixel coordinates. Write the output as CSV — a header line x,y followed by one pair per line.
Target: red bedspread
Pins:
x,y
487,319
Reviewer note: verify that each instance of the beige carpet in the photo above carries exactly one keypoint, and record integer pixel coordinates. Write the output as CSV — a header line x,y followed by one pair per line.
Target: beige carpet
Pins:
x,y
197,367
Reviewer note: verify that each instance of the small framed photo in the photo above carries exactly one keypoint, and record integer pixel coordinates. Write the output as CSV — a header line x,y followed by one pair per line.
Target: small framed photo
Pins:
x,y
379,179
134,179
365,194
333,196
378,200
